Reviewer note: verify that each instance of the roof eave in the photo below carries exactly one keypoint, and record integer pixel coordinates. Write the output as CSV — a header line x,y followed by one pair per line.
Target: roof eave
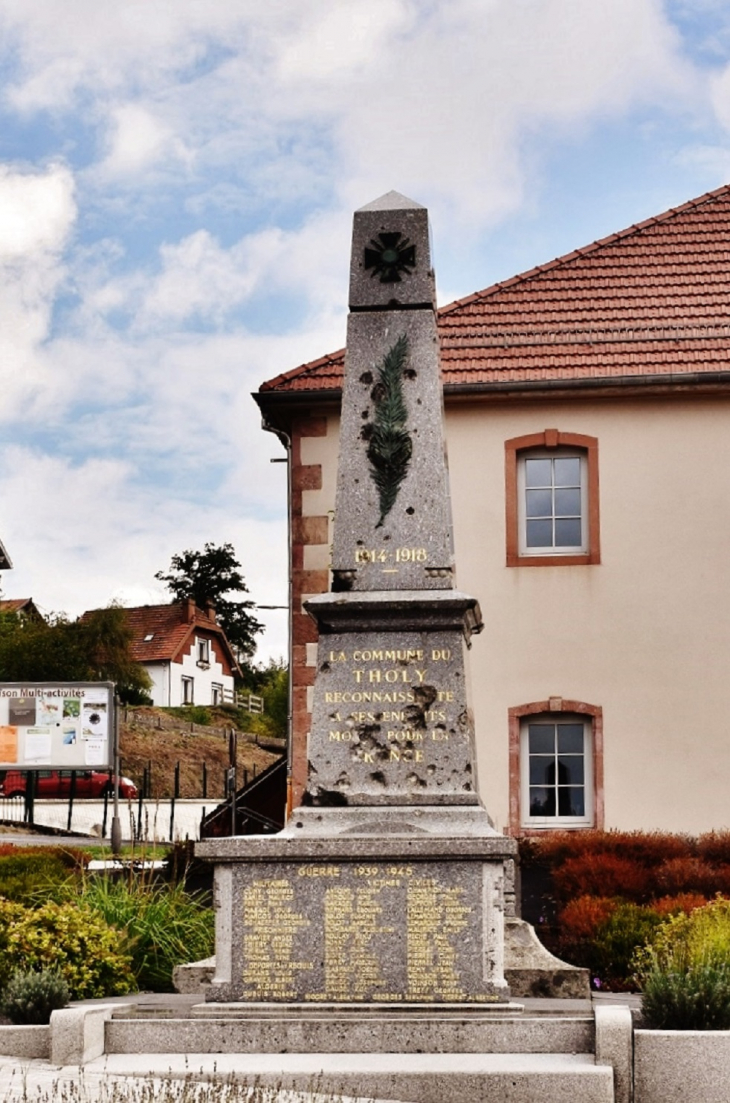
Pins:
x,y
279,406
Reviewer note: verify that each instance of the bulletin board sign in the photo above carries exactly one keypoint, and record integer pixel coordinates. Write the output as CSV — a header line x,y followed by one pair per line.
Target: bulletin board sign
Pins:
x,y
61,725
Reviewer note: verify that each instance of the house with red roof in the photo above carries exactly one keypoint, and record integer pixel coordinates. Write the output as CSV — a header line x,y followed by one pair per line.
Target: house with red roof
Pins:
x,y
588,427
185,652
22,606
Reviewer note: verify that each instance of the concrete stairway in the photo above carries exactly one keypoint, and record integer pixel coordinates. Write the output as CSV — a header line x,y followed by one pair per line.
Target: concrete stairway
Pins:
x,y
411,1055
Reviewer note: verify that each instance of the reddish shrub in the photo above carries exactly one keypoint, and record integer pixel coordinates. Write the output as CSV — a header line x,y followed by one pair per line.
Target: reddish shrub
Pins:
x,y
686,875
673,905
601,875
647,848
69,856
580,919
715,847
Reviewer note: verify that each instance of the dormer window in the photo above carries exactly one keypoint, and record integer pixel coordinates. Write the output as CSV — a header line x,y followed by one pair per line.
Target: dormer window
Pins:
x,y
203,653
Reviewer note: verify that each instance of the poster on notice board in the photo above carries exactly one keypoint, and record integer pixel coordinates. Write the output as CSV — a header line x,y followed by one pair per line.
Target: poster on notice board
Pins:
x,y
61,725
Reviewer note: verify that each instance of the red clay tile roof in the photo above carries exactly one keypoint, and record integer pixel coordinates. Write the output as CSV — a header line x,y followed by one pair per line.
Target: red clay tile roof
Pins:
x,y
13,604
651,300
171,632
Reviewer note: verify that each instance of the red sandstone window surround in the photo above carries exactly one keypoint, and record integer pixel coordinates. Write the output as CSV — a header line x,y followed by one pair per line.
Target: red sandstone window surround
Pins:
x,y
552,506
572,733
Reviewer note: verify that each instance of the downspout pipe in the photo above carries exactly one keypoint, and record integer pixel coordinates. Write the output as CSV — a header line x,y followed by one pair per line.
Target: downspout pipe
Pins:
x,y
287,443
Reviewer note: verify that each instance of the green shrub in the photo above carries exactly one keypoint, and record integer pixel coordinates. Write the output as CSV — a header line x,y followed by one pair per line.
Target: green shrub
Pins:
x,y
684,970
38,874
163,926
689,938
70,938
30,997
695,999
616,943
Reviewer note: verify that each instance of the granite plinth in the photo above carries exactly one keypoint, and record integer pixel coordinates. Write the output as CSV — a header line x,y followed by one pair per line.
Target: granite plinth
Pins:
x,y
409,917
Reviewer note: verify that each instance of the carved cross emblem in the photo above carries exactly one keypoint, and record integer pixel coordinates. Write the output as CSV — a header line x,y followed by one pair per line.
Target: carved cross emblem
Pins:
x,y
389,256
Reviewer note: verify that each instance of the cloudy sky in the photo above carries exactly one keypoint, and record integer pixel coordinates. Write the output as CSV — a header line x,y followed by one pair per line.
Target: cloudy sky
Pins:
x,y
177,179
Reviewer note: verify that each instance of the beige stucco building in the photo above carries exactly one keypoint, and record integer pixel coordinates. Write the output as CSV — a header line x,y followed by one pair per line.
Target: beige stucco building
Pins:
x,y
588,430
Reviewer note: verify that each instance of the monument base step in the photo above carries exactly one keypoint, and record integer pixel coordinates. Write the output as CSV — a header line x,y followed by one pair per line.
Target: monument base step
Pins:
x,y
310,1030
407,1077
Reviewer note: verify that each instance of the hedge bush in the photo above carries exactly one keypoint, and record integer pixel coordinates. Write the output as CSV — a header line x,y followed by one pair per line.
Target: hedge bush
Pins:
x,y
610,890
70,938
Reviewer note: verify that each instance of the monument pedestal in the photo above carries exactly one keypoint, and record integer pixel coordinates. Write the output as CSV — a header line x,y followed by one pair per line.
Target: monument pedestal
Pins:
x,y
377,906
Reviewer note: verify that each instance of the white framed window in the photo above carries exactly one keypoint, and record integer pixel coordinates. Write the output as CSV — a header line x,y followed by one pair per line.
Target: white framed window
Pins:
x,y
552,515
216,693
556,771
553,502
202,648
188,687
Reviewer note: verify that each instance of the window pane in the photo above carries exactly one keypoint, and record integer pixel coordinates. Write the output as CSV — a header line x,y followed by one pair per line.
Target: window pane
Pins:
x,y
570,769
542,770
567,503
539,534
567,471
571,802
538,473
539,503
567,533
570,738
542,738
542,802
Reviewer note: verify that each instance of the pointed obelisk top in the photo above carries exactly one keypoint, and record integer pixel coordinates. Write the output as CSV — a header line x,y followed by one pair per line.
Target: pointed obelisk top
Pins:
x,y
391,201
391,256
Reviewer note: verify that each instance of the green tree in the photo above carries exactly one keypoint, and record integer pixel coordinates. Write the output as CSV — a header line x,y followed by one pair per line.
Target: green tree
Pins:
x,y
207,576
272,683
95,648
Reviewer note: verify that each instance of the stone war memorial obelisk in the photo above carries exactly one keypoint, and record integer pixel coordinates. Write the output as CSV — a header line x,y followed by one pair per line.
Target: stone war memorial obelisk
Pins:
x,y
387,886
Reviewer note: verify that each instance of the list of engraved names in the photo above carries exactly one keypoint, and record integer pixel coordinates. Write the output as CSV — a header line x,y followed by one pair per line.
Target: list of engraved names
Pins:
x,y
391,932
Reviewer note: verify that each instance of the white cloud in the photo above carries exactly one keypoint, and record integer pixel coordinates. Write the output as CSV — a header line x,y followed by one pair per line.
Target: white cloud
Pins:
x,y
434,99
37,211
342,38
197,278
447,112
137,141
37,214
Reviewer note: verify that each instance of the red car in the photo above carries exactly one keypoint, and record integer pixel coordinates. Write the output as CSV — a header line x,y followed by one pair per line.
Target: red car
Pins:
x,y
56,784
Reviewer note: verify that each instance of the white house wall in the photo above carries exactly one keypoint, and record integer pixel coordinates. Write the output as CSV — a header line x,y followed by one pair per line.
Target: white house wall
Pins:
x,y
159,673
645,635
167,678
